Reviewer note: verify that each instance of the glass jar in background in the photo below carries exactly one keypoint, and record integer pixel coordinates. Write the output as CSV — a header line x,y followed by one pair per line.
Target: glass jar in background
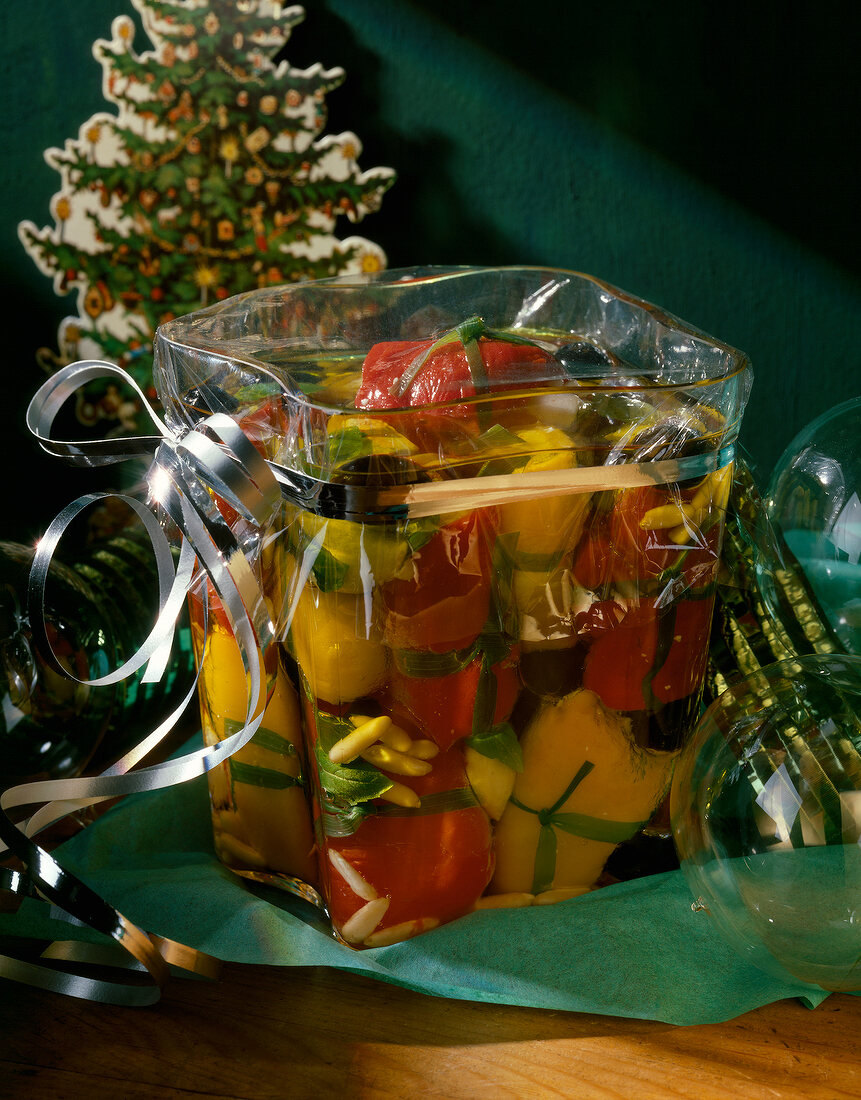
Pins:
x,y
51,725
99,607
121,570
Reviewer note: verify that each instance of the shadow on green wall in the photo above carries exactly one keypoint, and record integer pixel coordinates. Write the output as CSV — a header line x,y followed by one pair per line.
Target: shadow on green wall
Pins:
x,y
693,154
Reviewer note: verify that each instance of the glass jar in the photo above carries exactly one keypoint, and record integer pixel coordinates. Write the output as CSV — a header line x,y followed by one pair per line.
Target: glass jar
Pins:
x,y
495,571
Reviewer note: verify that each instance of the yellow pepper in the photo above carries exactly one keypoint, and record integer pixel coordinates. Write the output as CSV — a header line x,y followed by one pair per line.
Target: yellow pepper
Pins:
x,y
546,602
545,527
259,810
585,787
682,518
361,556
337,644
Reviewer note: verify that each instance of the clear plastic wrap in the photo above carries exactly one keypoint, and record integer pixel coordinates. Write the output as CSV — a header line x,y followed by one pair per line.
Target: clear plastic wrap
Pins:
x,y
492,579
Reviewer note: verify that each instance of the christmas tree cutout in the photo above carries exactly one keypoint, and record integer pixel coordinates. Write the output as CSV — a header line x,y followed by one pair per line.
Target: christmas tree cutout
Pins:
x,y
212,178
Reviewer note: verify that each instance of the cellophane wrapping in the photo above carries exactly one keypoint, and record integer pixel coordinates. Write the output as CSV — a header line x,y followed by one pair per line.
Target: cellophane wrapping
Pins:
x,y
491,576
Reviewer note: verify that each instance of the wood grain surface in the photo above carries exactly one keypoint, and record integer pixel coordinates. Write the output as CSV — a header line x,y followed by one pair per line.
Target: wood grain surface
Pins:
x,y
267,1032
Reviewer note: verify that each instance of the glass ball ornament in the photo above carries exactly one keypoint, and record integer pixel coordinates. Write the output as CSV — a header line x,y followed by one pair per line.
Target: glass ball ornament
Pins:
x,y
813,502
766,816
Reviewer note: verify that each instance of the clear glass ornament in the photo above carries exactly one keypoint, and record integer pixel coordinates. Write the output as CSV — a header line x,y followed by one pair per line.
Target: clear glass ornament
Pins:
x,y
766,816
813,502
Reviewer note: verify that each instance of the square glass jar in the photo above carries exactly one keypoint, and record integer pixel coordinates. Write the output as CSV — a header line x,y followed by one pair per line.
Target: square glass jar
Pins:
x,y
491,577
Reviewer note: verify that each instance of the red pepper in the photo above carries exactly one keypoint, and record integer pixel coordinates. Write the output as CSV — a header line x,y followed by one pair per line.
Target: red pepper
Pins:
x,y
444,605
447,374
430,865
442,708
620,663
455,369
618,550
683,671
591,565
638,554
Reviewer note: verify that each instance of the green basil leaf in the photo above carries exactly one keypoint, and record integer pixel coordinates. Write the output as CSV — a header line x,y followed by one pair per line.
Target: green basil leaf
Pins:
x,y
494,644
504,557
440,802
485,699
347,445
350,783
256,391
329,572
419,532
254,776
340,819
506,336
499,743
596,828
265,738
470,329
497,436
538,563
424,664
495,467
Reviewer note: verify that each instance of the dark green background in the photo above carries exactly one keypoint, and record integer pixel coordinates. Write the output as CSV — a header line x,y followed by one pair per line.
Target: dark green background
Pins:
x,y
699,155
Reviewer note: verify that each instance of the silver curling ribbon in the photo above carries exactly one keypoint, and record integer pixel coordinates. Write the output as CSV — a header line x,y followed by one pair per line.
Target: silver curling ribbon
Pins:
x,y
214,457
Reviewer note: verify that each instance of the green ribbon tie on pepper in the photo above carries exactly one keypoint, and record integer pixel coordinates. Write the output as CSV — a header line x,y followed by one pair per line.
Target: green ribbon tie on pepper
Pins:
x,y
582,825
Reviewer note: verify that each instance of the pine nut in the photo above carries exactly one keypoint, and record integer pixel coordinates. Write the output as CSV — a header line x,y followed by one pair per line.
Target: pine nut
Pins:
x,y
666,515
397,739
363,922
401,795
712,488
232,850
682,534
399,763
399,932
424,750
353,745
360,887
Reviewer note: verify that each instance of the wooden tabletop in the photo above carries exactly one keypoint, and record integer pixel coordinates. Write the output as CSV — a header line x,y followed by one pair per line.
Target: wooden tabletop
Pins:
x,y
273,1032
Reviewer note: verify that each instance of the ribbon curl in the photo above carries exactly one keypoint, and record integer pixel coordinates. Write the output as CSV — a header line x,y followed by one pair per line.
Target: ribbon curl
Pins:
x,y
213,457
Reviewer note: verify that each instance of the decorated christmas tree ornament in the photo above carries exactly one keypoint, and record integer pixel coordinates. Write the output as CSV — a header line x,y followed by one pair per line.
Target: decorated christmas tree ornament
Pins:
x,y
766,815
812,502
210,141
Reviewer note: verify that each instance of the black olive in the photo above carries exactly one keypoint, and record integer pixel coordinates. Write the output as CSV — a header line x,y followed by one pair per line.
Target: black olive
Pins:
x,y
379,470
582,353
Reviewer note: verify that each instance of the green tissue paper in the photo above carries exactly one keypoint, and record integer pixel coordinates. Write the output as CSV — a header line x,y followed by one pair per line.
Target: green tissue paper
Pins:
x,y
635,949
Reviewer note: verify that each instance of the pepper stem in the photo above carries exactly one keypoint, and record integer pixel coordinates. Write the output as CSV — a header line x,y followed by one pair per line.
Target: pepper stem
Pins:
x,y
466,333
